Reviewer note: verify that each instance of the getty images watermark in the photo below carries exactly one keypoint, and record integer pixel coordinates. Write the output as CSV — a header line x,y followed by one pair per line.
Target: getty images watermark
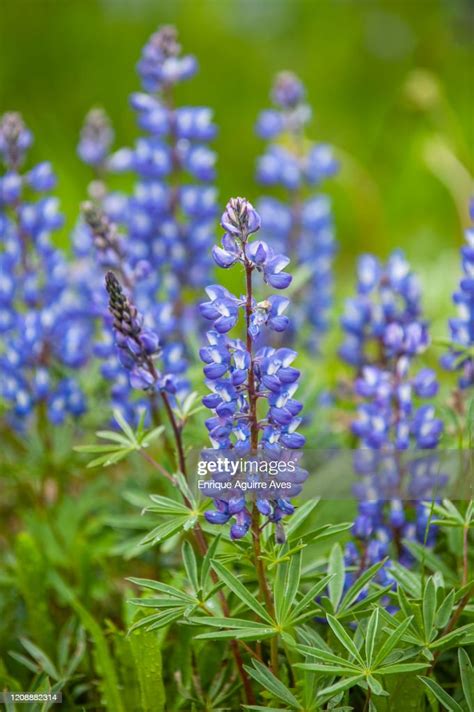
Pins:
x,y
228,471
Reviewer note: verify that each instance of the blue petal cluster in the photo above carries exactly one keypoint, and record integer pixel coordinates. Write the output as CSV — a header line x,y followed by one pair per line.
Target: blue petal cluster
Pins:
x,y
44,324
301,225
384,332
459,358
238,376
384,316
170,218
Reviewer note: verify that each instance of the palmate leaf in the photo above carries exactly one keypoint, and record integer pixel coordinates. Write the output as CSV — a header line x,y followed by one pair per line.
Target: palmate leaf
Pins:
x,y
391,642
272,684
237,587
122,444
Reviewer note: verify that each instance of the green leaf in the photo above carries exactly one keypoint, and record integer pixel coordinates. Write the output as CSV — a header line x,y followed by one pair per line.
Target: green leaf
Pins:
x,y
449,637
344,638
145,647
41,658
445,699
327,669
400,667
443,613
324,655
391,641
427,558
163,531
260,633
152,435
190,565
237,587
286,586
217,622
429,608
375,685
267,679
309,597
206,563
162,588
158,620
113,436
407,579
359,584
371,635
330,691
300,516
467,677
336,569
104,662
165,505
122,423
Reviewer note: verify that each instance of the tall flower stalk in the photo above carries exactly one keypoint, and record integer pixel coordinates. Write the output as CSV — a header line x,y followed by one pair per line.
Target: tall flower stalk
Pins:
x,y
384,333
460,357
43,320
242,379
301,223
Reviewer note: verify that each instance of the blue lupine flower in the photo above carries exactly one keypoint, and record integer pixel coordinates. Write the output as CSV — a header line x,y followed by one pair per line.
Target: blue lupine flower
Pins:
x,y
301,225
96,138
137,347
44,322
384,331
168,220
170,217
237,376
461,328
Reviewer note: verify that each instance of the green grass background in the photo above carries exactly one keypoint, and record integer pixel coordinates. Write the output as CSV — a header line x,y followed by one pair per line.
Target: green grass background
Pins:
x,y
391,84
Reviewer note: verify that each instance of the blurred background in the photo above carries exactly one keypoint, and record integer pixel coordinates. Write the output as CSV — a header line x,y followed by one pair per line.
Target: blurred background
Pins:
x,y
391,84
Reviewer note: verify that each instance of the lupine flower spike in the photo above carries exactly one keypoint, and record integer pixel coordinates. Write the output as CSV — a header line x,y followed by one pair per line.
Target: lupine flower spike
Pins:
x,y
460,357
44,322
384,333
239,376
301,224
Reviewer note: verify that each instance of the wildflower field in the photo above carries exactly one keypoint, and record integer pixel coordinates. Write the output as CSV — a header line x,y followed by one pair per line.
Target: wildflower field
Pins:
x,y
236,356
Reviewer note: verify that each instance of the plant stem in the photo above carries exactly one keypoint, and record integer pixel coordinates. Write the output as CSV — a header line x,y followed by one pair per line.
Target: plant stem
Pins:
x,y
452,622
465,545
157,466
253,423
